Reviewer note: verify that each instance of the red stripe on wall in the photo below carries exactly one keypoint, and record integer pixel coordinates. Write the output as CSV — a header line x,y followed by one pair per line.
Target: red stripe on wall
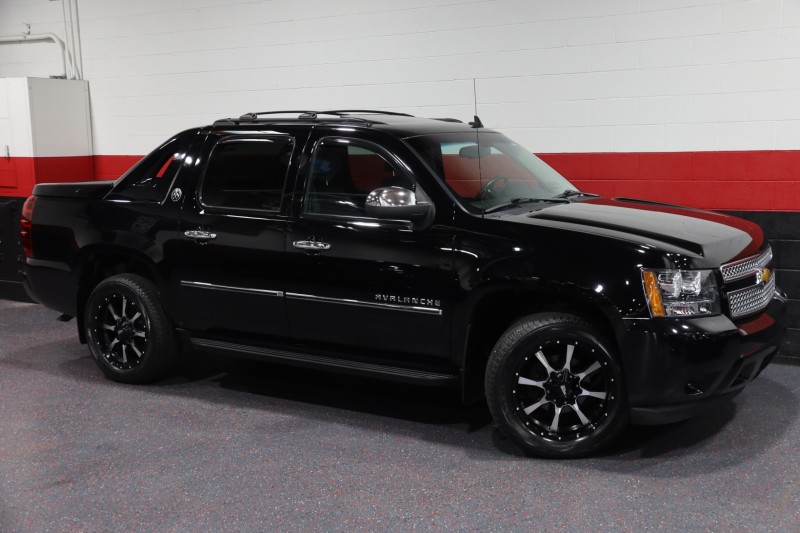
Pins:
x,y
767,180
110,167
18,175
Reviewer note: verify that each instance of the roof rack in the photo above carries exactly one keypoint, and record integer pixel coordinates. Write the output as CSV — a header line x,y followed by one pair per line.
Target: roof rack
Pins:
x,y
343,114
365,111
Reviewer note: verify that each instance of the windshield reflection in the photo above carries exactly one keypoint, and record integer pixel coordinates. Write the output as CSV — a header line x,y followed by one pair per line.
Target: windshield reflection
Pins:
x,y
488,171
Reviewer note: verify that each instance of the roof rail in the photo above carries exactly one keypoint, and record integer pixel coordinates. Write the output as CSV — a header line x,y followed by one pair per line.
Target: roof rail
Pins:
x,y
445,119
367,111
344,115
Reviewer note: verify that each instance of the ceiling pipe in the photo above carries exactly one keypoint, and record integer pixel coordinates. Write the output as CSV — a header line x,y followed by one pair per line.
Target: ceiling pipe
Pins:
x,y
66,59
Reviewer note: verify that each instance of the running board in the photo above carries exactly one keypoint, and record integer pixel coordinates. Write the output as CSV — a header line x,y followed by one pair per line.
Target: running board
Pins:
x,y
392,373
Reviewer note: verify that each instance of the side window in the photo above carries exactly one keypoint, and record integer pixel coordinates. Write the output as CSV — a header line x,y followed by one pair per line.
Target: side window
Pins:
x,y
247,173
152,177
343,174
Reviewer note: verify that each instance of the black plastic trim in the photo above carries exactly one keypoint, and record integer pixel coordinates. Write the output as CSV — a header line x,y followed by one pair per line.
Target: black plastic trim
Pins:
x,y
391,373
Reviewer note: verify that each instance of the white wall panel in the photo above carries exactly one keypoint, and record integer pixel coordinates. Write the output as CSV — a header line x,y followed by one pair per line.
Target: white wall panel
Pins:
x,y
752,15
665,53
748,135
639,138
561,76
788,132
691,137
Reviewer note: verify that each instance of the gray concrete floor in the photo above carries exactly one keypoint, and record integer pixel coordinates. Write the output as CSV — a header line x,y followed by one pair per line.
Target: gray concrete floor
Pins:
x,y
241,446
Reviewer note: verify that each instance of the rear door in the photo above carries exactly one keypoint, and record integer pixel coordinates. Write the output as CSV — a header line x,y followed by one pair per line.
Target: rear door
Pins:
x,y
232,269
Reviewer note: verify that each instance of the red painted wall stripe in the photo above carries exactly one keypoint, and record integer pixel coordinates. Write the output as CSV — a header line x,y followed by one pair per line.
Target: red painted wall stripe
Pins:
x,y
110,167
18,175
766,180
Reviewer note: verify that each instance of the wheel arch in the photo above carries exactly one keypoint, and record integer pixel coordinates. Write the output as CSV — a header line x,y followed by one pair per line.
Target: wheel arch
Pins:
x,y
96,265
496,310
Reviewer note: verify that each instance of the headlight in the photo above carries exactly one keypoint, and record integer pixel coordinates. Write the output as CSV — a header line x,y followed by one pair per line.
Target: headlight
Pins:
x,y
681,292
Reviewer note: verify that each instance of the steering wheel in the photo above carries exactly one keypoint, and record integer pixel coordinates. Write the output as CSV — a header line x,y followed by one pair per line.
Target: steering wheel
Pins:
x,y
487,191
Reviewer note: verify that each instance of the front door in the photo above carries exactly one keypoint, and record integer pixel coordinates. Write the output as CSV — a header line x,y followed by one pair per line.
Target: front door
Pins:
x,y
376,287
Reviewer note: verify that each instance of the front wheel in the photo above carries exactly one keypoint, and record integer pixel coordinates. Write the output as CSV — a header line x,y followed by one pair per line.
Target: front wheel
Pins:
x,y
127,330
554,386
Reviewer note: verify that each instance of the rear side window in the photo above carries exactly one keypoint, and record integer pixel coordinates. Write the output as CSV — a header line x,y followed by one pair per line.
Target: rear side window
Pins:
x,y
247,173
152,177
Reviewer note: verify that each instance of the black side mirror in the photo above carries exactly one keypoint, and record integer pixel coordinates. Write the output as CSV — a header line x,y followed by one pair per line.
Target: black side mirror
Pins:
x,y
397,203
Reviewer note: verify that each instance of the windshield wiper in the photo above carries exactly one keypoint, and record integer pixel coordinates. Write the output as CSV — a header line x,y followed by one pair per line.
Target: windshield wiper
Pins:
x,y
518,201
569,193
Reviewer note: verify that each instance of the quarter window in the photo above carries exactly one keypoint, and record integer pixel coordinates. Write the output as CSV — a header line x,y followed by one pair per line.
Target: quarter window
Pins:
x,y
152,177
247,173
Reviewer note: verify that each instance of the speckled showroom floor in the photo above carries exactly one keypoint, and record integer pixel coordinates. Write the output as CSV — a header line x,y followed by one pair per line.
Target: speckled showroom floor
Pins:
x,y
241,446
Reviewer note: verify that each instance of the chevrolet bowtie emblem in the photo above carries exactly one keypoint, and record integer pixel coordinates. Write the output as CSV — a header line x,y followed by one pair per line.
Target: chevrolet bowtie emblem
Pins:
x,y
763,276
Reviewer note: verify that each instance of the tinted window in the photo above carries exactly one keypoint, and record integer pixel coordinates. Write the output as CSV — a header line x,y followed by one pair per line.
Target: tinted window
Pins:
x,y
343,174
247,173
152,177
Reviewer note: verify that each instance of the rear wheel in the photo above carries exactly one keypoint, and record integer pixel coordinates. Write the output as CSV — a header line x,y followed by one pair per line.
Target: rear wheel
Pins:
x,y
554,386
127,330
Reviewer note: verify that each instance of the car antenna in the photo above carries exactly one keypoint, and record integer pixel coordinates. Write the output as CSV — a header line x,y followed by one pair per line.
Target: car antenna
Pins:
x,y
476,123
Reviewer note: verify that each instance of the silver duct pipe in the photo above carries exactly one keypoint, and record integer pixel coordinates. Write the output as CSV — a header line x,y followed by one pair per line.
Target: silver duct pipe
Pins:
x,y
66,58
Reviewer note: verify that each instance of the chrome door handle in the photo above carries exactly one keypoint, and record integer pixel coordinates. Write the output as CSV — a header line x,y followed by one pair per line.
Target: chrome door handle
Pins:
x,y
314,246
200,235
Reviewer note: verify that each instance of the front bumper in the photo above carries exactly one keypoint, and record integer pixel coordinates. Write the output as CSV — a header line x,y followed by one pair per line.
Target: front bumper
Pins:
x,y
677,367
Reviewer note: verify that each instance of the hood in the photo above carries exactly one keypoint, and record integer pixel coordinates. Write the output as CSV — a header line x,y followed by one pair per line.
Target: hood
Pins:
x,y
716,237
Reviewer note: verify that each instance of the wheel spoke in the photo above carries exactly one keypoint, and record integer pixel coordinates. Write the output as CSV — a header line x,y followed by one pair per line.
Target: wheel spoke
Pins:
x,y
531,408
526,381
568,362
591,370
140,334
593,394
124,354
108,327
580,414
134,317
545,364
135,349
124,305
556,417
112,344
113,313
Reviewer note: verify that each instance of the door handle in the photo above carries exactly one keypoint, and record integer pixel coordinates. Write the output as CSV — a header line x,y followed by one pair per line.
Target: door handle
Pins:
x,y
200,235
313,246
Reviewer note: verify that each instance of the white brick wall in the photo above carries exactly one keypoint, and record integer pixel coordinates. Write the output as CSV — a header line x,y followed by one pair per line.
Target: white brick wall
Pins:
x,y
558,75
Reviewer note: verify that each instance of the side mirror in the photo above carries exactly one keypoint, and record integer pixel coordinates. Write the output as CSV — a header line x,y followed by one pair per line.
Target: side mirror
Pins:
x,y
398,203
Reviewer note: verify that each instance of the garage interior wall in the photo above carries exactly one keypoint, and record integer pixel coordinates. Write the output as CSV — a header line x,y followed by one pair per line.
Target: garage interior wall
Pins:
x,y
695,102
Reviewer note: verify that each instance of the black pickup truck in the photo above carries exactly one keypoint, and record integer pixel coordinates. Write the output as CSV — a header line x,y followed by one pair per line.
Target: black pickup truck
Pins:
x,y
427,251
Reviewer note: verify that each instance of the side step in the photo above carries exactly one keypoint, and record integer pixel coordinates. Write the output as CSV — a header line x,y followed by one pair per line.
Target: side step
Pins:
x,y
405,375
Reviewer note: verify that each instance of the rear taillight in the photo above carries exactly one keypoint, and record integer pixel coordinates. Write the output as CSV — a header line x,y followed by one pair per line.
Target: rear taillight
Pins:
x,y
25,226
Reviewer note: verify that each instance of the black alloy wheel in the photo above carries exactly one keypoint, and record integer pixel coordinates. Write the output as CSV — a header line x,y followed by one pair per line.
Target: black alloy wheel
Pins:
x,y
129,335
554,387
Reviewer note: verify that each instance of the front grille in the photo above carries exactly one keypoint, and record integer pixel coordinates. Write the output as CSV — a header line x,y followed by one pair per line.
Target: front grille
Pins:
x,y
745,267
751,299
751,295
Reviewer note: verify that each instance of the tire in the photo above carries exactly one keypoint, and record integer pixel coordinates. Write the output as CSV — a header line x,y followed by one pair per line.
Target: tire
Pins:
x,y
127,330
554,386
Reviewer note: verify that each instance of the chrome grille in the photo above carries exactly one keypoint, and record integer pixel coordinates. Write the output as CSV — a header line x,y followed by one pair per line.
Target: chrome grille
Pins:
x,y
745,267
751,299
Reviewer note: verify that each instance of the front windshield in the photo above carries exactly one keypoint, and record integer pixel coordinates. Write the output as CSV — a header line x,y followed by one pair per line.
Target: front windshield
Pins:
x,y
496,173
